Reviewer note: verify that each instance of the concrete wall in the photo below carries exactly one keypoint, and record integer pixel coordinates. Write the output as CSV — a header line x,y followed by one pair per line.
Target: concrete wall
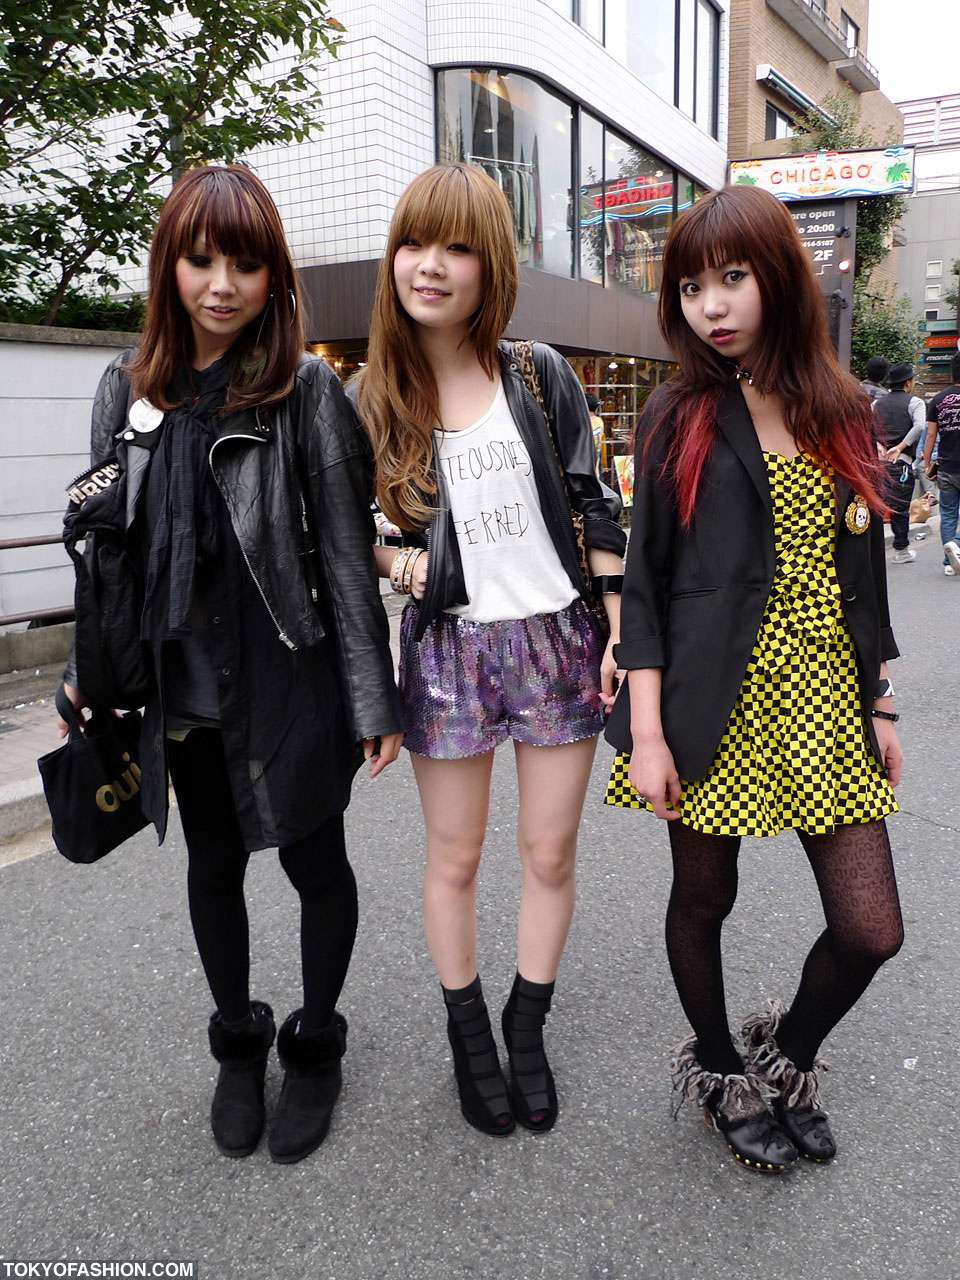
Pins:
x,y
47,381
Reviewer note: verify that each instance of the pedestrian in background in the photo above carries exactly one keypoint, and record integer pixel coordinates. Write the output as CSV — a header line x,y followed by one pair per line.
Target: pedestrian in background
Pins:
x,y
273,669
499,641
877,369
901,415
755,635
943,419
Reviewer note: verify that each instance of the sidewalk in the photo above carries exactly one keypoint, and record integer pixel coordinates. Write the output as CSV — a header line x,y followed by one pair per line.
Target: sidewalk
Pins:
x,y
28,724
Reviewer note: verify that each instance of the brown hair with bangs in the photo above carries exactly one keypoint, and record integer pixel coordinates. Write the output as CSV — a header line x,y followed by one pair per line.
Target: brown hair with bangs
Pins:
x,y
230,207
825,410
397,393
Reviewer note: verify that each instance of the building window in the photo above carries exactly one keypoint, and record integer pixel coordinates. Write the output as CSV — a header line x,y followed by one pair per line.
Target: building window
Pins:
x,y
688,192
932,314
520,133
851,32
934,270
778,123
932,293
672,46
590,17
563,7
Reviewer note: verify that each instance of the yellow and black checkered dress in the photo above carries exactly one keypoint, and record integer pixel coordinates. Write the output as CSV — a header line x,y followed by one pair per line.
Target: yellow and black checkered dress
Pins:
x,y
794,753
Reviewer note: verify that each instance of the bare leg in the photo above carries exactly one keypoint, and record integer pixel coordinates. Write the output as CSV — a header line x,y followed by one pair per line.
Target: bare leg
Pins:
x,y
455,795
553,783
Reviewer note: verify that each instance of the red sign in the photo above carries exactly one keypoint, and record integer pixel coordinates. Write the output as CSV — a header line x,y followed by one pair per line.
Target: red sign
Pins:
x,y
941,340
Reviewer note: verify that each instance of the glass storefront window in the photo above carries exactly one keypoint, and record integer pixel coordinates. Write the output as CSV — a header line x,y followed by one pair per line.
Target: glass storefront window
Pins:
x,y
591,199
638,208
519,132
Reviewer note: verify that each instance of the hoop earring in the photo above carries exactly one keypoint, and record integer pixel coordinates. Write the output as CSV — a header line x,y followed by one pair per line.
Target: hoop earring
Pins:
x,y
293,304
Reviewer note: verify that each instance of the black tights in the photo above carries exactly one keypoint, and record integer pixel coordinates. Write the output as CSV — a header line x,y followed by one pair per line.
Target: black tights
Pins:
x,y
317,867
854,873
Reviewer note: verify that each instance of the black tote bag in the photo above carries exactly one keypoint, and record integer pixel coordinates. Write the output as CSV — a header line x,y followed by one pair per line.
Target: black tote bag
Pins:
x,y
92,783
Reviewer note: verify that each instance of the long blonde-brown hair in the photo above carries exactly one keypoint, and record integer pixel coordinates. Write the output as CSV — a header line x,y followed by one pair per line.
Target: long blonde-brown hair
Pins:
x,y
231,208
397,392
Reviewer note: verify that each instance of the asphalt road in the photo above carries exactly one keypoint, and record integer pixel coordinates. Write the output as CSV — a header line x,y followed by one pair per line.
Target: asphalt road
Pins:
x,y
105,1078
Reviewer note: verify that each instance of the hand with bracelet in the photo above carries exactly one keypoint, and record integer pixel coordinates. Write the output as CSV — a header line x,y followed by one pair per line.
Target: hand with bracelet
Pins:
x,y
885,727
405,568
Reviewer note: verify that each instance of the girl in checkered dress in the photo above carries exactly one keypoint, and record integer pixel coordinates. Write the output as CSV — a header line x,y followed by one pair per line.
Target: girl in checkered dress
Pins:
x,y
755,635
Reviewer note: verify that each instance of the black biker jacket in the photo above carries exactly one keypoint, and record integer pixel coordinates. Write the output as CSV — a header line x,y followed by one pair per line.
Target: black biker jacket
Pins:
x,y
262,461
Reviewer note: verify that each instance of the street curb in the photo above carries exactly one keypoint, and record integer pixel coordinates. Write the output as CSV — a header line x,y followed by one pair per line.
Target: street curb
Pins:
x,y
23,807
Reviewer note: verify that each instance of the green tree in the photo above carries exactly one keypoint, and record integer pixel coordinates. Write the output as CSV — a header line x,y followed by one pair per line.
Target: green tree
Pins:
x,y
950,297
837,126
103,102
883,325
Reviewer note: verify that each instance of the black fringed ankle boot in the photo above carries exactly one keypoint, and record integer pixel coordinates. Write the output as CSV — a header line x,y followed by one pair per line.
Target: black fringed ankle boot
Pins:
x,y
532,1091
237,1113
480,1082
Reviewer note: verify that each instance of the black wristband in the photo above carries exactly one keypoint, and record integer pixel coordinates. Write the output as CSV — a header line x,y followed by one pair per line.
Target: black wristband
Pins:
x,y
892,716
605,584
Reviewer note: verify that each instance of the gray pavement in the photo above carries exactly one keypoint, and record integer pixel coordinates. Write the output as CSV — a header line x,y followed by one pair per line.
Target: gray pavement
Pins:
x,y
105,1079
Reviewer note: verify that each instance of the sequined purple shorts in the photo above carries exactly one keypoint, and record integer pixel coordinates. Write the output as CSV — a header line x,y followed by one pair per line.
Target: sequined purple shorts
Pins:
x,y
468,686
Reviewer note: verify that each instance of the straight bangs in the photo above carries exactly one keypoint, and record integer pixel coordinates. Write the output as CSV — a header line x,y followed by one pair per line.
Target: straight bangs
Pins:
x,y
706,242
228,218
232,211
397,397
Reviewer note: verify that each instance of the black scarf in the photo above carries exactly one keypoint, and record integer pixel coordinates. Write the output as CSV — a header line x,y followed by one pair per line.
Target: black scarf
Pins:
x,y
183,493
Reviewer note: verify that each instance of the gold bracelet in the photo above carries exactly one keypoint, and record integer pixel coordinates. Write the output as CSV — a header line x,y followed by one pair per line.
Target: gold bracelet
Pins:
x,y
400,561
408,571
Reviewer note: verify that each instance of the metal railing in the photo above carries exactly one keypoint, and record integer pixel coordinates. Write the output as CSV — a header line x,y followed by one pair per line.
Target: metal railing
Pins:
x,y
63,613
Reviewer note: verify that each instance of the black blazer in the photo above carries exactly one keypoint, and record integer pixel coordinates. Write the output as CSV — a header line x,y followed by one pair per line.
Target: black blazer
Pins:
x,y
693,599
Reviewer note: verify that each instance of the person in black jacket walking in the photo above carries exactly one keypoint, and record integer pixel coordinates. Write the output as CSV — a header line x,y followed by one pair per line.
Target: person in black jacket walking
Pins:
x,y
248,482
755,634
499,642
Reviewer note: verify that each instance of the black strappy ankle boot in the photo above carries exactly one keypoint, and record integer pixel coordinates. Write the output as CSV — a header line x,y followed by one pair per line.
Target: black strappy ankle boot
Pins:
x,y
532,1091
480,1082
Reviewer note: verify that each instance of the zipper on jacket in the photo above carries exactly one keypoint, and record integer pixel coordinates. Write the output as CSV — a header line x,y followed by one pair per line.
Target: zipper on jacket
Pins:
x,y
246,559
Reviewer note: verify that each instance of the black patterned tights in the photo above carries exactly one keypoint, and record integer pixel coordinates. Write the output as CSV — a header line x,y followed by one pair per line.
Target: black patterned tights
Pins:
x,y
854,873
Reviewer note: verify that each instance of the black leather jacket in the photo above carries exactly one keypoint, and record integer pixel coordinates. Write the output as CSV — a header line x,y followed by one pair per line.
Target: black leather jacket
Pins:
x,y
262,462
573,433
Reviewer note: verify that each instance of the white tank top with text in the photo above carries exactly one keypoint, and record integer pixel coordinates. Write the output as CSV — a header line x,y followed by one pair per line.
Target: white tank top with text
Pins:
x,y
510,566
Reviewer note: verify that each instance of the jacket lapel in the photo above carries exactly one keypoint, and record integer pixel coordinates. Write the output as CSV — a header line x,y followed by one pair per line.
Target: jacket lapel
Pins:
x,y
736,426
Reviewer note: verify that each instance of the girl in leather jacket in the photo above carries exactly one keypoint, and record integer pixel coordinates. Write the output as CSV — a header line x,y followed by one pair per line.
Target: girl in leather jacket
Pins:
x,y
248,479
498,641
755,635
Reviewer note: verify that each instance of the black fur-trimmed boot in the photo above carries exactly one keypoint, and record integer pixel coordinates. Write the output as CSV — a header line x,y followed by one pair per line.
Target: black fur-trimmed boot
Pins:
x,y
237,1113
736,1106
311,1086
797,1104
